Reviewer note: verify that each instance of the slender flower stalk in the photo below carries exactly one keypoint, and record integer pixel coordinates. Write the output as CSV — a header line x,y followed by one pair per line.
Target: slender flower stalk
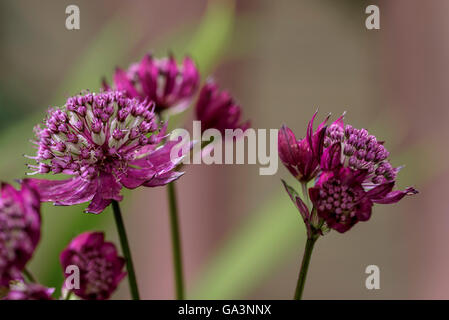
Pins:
x,y
310,243
176,242
29,275
126,251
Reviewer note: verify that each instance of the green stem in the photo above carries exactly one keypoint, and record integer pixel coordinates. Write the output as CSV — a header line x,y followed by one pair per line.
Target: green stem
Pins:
x,y
28,275
126,252
69,295
305,194
304,267
176,242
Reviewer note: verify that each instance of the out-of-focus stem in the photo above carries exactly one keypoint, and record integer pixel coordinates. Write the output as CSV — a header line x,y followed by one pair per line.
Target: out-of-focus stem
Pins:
x,y
176,242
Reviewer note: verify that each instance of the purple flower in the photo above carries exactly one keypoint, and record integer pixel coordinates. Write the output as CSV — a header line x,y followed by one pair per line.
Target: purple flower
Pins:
x,y
101,269
302,157
20,224
105,142
352,170
163,81
345,194
218,110
29,291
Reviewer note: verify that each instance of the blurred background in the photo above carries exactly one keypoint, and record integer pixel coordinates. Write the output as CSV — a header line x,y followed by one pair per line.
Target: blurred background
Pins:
x,y
242,237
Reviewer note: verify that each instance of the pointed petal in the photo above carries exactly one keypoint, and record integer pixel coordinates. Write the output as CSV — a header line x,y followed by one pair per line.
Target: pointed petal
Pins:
x,y
297,201
395,196
364,210
331,158
123,83
163,179
148,73
288,150
98,204
65,192
310,132
380,191
171,74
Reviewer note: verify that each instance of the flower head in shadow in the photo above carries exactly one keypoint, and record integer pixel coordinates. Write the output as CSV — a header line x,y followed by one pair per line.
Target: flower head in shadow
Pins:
x,y
100,268
218,110
163,81
20,223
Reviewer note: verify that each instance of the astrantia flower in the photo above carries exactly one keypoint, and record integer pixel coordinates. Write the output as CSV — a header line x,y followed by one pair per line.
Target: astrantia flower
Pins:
x,y
163,81
29,291
217,109
354,179
101,269
20,224
302,157
352,170
105,142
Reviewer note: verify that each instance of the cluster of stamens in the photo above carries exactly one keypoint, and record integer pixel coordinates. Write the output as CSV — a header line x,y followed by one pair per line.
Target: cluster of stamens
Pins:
x,y
97,271
339,199
95,132
362,151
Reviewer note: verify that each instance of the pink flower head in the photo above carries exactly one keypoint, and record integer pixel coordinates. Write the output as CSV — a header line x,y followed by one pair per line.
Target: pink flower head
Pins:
x,y
105,142
302,157
163,81
20,224
218,110
101,269
350,183
29,291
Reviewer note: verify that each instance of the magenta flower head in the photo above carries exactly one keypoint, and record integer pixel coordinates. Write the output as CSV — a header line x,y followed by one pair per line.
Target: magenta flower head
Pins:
x,y
217,109
302,157
20,224
101,269
29,291
169,85
105,142
355,175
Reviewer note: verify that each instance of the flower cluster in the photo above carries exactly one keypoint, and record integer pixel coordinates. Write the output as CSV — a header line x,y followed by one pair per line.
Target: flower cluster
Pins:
x,y
20,223
172,87
163,81
105,141
351,171
218,110
101,269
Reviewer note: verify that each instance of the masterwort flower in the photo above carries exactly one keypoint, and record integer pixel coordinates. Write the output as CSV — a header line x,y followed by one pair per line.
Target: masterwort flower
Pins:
x,y
101,269
217,109
105,141
20,224
352,173
169,85
355,175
